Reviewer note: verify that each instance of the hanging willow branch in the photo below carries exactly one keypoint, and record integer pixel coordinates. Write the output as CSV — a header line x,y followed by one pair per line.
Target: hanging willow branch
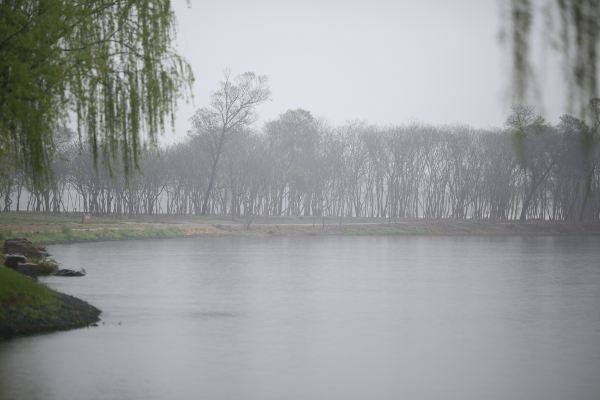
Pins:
x,y
579,40
109,64
521,28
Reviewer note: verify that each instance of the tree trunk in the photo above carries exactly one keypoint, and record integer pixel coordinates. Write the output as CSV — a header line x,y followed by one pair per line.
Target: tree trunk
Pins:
x,y
213,174
534,187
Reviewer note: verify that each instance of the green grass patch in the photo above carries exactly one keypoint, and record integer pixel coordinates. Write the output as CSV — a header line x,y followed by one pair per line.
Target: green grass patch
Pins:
x,y
17,218
74,218
67,234
22,295
5,234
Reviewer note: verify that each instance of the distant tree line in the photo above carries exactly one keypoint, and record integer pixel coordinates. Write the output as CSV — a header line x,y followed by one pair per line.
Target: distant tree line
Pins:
x,y
297,165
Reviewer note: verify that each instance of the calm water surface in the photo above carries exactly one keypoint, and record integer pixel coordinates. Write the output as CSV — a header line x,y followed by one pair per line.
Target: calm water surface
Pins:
x,y
322,318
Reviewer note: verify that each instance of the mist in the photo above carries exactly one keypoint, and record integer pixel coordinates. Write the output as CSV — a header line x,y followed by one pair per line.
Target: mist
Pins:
x,y
385,62
283,199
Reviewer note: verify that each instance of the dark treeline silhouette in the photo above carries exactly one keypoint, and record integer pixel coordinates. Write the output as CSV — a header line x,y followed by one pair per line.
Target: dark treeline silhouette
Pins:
x,y
299,166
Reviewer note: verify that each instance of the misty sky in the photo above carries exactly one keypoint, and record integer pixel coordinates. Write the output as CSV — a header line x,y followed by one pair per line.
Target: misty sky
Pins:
x,y
384,61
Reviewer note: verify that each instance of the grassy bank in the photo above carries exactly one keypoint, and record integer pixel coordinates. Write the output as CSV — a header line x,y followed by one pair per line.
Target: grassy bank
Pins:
x,y
387,230
66,234
44,228
28,307
19,293
63,228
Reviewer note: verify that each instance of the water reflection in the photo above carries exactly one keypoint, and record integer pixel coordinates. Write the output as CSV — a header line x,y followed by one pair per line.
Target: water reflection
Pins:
x,y
323,318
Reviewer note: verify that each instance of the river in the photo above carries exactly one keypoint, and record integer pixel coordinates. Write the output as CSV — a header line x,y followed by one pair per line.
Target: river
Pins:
x,y
322,318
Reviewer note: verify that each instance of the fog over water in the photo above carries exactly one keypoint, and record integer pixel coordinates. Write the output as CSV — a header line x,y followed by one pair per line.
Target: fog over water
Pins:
x,y
388,62
356,209
322,318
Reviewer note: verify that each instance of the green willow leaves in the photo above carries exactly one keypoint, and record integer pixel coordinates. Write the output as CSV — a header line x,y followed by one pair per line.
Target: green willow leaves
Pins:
x,y
106,66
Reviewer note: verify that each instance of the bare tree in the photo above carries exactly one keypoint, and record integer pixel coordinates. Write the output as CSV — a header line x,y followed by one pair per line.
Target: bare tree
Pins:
x,y
534,150
232,107
298,166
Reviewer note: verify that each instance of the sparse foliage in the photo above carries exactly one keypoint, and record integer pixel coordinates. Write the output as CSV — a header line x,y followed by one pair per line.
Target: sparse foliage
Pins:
x,y
298,166
574,30
232,109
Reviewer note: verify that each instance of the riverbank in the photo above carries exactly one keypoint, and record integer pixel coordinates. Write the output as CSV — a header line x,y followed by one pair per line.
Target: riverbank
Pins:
x,y
28,307
68,228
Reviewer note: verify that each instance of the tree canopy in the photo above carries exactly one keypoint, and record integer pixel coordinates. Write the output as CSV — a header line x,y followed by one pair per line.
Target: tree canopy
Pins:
x,y
232,109
105,66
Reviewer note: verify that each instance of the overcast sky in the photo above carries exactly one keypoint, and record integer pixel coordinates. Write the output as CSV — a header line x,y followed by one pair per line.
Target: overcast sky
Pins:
x,y
383,61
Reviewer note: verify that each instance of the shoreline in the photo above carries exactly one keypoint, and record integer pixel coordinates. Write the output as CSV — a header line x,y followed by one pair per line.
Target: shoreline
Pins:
x,y
30,307
67,228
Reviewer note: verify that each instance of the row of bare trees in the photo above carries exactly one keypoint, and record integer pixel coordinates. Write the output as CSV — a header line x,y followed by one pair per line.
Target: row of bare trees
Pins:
x,y
299,166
